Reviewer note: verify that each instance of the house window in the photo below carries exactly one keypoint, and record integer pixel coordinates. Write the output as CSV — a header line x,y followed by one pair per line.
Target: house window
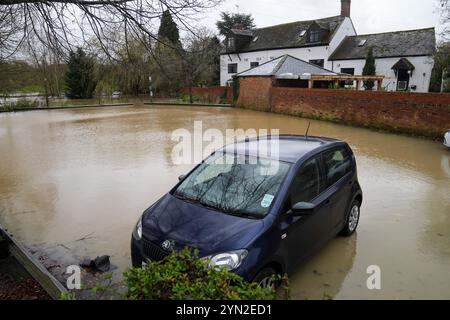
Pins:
x,y
314,36
318,62
232,68
348,71
254,64
362,42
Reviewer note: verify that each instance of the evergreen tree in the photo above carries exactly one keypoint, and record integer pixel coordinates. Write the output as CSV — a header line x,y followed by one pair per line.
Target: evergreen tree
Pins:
x,y
80,80
168,30
234,21
369,69
441,69
216,47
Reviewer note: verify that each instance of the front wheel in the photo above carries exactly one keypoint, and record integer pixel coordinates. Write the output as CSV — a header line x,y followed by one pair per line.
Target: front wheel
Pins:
x,y
267,277
352,219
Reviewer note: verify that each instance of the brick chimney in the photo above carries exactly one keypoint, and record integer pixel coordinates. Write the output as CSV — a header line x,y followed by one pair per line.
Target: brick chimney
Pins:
x,y
345,8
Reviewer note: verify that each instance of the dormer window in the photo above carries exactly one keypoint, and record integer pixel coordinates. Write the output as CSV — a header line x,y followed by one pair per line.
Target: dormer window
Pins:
x,y
314,36
231,42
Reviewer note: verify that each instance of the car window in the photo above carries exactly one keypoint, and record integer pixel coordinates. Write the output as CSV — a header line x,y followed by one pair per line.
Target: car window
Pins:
x,y
306,184
337,164
219,166
233,186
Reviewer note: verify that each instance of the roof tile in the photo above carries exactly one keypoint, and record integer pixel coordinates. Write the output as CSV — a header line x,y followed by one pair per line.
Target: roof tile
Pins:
x,y
391,44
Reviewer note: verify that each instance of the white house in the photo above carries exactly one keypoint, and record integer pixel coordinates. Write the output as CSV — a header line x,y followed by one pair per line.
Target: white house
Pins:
x,y
405,58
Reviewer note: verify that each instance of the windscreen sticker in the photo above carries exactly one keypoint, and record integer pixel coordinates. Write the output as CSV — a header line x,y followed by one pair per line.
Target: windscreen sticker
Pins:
x,y
267,200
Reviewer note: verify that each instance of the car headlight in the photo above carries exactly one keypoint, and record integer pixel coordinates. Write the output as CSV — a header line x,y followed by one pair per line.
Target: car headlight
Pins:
x,y
139,229
228,260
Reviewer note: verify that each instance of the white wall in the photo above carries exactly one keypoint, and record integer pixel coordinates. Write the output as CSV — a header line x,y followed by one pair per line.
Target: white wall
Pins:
x,y
312,53
345,29
421,75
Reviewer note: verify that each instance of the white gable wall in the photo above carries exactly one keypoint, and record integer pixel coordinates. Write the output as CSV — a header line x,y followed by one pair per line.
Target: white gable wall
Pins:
x,y
345,29
421,75
311,53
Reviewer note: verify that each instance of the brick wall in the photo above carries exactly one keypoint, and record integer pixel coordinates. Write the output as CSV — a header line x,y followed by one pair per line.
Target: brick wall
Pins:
x,y
254,93
420,113
213,94
426,114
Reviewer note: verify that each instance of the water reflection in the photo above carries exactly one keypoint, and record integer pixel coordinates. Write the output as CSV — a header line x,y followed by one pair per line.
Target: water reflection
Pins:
x,y
319,279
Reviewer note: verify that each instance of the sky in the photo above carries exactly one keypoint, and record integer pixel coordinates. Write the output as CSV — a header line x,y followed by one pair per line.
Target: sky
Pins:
x,y
369,16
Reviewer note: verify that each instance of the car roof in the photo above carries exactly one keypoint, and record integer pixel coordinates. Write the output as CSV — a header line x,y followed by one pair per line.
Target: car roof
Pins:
x,y
291,147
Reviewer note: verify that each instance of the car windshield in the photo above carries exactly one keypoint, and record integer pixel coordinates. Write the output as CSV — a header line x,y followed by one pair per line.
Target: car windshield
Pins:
x,y
234,184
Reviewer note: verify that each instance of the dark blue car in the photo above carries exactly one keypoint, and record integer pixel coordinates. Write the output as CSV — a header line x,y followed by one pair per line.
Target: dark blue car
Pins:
x,y
256,215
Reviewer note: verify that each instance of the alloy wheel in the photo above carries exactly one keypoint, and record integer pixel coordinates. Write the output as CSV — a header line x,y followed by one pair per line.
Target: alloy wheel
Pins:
x,y
353,218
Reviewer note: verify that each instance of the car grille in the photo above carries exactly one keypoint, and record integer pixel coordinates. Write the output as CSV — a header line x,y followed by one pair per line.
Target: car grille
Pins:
x,y
153,251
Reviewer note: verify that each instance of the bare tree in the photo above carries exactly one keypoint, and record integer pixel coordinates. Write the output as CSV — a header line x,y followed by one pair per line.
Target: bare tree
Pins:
x,y
63,25
445,15
198,58
49,65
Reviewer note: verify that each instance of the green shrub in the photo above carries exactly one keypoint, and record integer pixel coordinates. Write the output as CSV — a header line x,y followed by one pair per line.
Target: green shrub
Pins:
x,y
183,276
195,99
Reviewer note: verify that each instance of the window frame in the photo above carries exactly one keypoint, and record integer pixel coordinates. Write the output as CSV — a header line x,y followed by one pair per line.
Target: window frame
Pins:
x,y
324,166
254,64
322,177
271,210
234,65
314,62
342,71
317,36
348,82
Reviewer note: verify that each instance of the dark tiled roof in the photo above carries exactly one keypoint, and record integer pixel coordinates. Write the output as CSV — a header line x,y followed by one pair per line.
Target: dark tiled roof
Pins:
x,y
248,33
288,35
391,44
285,65
403,63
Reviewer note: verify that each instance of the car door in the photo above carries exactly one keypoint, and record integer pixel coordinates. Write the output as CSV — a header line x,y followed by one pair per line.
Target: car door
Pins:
x,y
339,174
305,234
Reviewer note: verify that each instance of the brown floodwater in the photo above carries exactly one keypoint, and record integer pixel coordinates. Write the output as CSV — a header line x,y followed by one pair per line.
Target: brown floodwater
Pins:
x,y
74,182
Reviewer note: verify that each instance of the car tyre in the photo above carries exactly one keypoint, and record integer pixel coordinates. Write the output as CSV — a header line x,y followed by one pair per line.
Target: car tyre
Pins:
x,y
351,224
267,277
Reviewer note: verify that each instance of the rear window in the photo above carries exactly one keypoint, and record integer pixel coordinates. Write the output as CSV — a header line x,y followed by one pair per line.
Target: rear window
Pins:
x,y
338,163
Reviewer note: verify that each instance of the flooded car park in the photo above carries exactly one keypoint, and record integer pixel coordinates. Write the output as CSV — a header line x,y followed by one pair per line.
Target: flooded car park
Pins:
x,y
78,180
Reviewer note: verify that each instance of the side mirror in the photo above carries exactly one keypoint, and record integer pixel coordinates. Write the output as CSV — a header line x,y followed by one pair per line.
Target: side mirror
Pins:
x,y
302,209
181,177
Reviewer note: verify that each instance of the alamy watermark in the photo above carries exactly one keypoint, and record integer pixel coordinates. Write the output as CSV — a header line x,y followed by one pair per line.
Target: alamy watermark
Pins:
x,y
73,282
374,280
194,146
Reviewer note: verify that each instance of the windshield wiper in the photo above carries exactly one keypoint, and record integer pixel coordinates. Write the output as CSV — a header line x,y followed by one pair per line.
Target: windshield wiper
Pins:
x,y
211,207
240,214
208,206
195,201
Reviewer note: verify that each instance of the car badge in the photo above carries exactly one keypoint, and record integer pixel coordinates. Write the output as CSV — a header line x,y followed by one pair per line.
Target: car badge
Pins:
x,y
166,245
